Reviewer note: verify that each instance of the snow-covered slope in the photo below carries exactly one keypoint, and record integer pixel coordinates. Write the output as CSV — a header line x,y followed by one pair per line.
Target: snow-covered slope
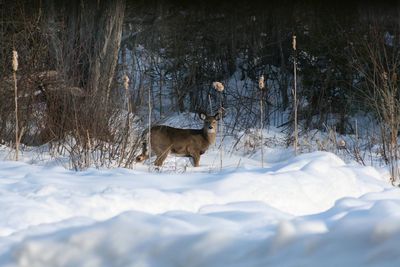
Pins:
x,y
310,210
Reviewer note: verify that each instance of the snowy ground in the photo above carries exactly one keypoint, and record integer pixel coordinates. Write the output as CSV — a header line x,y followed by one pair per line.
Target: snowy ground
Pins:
x,y
309,210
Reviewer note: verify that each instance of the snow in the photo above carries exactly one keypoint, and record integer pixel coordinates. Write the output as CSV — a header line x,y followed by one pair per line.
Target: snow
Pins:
x,y
309,210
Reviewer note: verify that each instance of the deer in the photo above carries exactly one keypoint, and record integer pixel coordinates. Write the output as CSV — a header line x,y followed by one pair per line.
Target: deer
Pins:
x,y
193,143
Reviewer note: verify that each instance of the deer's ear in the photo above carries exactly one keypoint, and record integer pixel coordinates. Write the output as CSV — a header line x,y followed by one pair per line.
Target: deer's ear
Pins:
x,y
217,116
202,116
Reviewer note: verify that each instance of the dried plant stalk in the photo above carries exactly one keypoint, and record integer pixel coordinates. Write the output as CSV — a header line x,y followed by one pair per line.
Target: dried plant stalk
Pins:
x,y
261,85
296,137
15,68
219,87
149,132
210,103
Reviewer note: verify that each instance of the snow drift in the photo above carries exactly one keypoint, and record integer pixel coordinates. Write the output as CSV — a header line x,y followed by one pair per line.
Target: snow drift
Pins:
x,y
311,210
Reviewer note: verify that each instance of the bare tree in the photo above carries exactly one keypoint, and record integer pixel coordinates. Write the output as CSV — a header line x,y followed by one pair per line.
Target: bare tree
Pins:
x,y
377,61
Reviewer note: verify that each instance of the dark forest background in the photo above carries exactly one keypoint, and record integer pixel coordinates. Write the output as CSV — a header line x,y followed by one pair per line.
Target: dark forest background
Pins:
x,y
74,57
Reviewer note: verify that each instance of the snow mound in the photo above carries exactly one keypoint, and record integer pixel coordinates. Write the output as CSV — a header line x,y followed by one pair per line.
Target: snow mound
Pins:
x,y
311,210
367,235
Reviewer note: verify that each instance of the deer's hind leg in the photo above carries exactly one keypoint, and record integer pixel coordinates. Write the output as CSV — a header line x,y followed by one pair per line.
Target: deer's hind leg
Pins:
x,y
161,156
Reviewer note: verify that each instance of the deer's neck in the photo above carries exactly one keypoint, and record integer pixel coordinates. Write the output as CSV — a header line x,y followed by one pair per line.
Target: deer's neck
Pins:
x,y
210,136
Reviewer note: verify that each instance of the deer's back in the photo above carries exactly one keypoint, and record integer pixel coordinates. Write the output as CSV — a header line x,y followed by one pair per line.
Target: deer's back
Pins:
x,y
178,140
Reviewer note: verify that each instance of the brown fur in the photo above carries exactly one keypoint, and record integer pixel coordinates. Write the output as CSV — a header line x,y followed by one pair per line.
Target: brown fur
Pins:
x,y
182,142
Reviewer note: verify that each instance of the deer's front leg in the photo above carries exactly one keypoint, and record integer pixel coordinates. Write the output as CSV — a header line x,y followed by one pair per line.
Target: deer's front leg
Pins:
x,y
196,159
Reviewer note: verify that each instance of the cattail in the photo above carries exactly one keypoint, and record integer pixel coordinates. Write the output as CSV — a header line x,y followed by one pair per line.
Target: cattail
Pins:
x,y
15,60
218,86
125,78
261,82
294,42
341,143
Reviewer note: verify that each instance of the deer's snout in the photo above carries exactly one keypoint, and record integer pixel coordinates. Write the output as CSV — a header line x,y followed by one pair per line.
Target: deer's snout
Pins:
x,y
210,127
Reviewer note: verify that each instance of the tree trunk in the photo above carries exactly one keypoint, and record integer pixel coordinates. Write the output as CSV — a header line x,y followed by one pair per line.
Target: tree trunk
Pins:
x,y
94,36
85,38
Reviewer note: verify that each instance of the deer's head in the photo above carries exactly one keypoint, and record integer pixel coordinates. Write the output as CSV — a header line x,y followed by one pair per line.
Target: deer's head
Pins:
x,y
210,122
